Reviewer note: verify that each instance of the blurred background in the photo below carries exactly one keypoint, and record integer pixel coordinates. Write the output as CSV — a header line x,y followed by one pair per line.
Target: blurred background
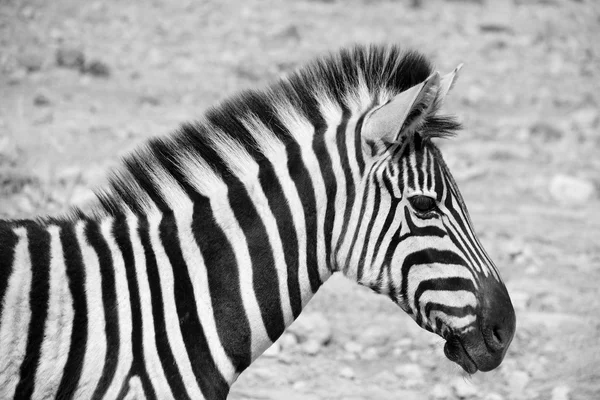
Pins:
x,y
82,83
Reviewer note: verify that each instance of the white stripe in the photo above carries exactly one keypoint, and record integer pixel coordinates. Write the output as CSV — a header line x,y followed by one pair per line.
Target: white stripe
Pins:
x,y
151,358
124,311
59,323
165,271
249,177
451,321
95,351
16,315
450,298
332,113
274,150
304,132
196,172
196,269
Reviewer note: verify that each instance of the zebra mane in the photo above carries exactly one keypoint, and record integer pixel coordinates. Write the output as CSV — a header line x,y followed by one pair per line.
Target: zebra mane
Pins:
x,y
340,77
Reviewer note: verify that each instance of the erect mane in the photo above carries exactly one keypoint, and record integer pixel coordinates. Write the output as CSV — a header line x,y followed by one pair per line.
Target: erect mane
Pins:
x,y
381,70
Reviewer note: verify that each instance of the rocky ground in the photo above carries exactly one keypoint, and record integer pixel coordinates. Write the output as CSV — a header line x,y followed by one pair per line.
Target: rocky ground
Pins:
x,y
82,83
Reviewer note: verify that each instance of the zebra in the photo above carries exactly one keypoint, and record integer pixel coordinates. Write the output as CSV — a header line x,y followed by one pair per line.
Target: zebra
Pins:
x,y
207,243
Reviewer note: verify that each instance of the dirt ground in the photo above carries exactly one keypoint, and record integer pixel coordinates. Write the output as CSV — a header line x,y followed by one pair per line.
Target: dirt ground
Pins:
x,y
82,83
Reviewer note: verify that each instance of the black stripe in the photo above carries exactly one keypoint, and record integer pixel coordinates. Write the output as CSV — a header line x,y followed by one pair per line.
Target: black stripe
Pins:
x,y
120,231
264,272
39,251
300,176
457,312
414,230
350,189
325,165
358,142
163,348
220,261
273,191
109,300
223,281
448,284
207,374
278,204
79,332
362,262
426,256
7,257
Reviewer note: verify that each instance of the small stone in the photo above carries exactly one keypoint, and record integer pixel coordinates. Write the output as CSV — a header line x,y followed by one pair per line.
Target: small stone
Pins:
x,y
311,347
463,388
148,100
370,354
353,347
411,375
17,76
30,61
288,341
374,336
312,326
475,94
273,351
97,68
517,381
70,57
385,377
493,396
409,371
41,100
347,372
586,118
545,132
441,392
571,190
561,392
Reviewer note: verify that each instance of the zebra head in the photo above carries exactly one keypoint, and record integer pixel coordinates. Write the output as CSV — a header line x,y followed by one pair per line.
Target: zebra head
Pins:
x,y
419,246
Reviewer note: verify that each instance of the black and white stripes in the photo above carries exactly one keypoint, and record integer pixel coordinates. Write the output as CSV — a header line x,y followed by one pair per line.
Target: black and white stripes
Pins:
x,y
208,243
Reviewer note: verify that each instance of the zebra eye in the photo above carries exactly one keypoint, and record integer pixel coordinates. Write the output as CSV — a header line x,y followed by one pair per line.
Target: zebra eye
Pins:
x,y
422,203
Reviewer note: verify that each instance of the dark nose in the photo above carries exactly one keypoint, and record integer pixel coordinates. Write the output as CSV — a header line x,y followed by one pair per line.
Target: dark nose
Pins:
x,y
499,320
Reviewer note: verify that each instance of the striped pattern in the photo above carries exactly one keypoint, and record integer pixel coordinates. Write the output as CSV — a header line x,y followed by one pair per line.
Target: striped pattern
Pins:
x,y
208,243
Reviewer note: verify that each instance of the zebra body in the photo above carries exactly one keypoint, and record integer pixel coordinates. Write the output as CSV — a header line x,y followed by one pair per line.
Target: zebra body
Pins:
x,y
207,244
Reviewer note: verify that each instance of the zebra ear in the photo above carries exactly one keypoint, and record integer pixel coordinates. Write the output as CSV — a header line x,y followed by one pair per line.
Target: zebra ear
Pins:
x,y
402,115
447,83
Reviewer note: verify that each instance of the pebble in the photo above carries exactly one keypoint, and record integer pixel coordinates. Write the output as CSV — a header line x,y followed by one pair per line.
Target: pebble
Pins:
x,y
97,68
311,347
353,347
17,76
441,392
70,57
586,118
41,100
493,396
370,354
313,326
347,372
561,392
411,375
288,341
571,190
374,336
409,371
545,132
463,388
273,351
517,381
30,61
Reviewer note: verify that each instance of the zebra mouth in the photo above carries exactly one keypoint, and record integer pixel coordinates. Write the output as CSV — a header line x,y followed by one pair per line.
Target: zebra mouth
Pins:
x,y
456,352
